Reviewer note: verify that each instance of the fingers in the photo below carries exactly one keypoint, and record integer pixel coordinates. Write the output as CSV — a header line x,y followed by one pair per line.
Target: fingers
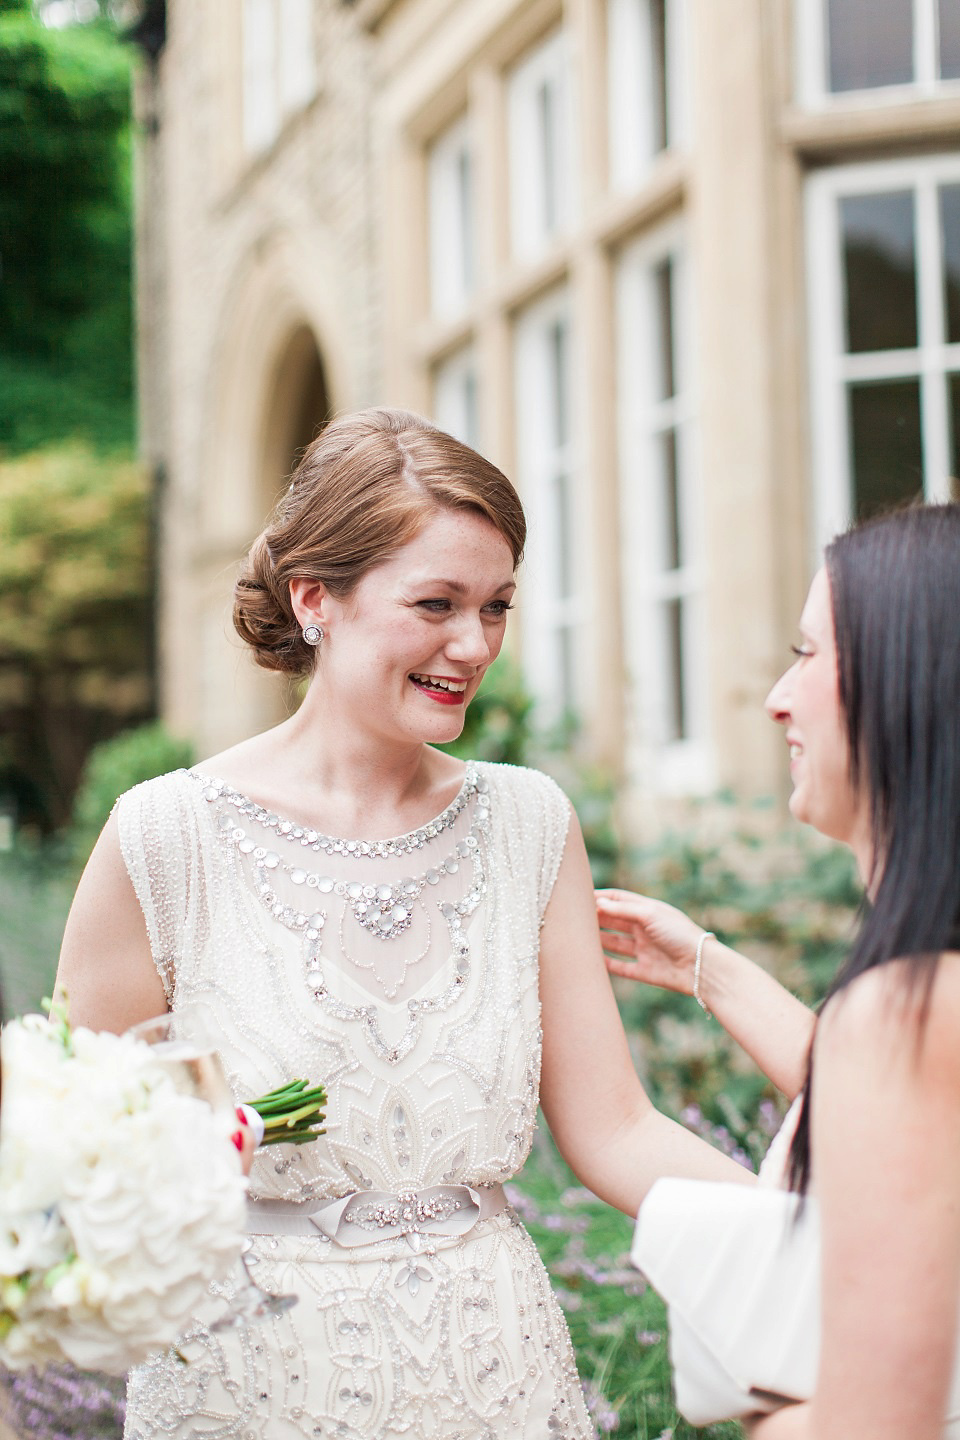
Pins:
x,y
624,899
620,944
627,969
623,906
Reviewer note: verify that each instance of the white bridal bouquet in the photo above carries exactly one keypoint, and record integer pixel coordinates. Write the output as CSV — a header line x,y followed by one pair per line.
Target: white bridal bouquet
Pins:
x,y
121,1198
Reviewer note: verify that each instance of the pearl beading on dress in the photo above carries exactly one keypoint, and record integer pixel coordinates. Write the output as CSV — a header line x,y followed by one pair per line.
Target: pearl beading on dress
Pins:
x,y
331,844
385,911
369,903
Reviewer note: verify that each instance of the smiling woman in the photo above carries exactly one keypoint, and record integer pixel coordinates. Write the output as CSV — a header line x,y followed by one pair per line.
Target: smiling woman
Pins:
x,y
869,708
439,971
364,489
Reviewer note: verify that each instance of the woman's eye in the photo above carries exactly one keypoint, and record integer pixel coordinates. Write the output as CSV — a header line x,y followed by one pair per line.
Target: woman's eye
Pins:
x,y
800,653
499,607
437,606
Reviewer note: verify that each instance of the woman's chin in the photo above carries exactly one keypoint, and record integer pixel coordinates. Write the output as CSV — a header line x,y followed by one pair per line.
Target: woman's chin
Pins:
x,y
444,729
798,808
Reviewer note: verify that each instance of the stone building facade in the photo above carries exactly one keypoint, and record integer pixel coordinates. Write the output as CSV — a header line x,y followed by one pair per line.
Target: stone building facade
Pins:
x,y
688,270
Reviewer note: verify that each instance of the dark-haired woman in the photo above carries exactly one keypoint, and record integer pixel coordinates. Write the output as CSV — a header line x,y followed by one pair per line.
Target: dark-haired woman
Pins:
x,y
411,968
871,713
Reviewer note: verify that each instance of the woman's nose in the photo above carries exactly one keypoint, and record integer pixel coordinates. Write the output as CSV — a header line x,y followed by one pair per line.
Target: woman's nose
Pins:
x,y
470,644
777,704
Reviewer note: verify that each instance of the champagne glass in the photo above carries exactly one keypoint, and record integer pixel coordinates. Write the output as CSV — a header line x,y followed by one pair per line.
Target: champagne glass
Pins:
x,y
183,1043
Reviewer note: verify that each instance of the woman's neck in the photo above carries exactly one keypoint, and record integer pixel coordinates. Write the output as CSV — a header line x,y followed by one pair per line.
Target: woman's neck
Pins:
x,y
342,779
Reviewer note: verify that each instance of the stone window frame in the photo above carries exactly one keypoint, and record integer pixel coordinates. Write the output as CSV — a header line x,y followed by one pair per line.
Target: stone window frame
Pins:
x,y
451,202
832,369
632,66
541,136
456,399
657,585
581,258
548,476
278,73
812,62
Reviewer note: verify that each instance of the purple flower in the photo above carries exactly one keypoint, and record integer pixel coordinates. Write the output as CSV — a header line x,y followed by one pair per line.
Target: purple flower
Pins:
x,y
599,1409
65,1404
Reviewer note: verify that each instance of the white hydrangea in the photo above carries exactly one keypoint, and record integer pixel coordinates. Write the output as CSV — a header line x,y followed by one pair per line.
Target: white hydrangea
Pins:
x,y
121,1199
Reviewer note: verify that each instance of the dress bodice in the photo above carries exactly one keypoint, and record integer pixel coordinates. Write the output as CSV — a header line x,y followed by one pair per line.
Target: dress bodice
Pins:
x,y
402,973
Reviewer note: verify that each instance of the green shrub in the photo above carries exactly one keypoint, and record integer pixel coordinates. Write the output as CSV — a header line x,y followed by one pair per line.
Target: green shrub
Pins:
x,y
75,617
116,766
499,722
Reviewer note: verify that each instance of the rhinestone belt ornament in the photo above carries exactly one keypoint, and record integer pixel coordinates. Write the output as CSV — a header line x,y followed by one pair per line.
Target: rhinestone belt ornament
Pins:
x,y
365,1217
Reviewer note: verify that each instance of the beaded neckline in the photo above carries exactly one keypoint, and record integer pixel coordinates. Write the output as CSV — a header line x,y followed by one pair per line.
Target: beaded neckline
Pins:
x,y
384,911
312,839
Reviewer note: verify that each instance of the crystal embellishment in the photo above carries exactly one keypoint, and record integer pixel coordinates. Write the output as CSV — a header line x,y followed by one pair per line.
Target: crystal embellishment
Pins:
x,y
382,910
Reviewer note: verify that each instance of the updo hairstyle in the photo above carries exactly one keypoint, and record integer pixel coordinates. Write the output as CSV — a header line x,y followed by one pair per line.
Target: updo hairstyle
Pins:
x,y
364,488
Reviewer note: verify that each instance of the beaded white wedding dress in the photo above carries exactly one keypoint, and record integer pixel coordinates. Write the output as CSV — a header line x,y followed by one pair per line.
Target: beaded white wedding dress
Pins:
x,y
403,975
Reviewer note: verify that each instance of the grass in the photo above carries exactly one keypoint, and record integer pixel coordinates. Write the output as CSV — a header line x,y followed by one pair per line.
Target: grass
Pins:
x,y
617,1323
35,892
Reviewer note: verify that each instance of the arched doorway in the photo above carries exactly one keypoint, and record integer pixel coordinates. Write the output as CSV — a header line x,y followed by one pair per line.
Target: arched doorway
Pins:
x,y
296,409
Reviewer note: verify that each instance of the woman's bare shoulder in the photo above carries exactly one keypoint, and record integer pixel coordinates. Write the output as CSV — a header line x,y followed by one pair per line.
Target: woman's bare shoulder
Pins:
x,y
899,1015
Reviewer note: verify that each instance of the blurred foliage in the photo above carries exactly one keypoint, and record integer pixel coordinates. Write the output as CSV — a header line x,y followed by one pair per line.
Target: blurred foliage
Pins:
x,y
36,887
499,721
784,898
114,767
66,348
501,725
75,619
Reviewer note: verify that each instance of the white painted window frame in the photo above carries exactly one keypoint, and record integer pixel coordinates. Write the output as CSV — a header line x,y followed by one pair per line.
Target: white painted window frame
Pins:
x,y
832,369
658,764
812,68
630,63
261,115
297,74
278,67
549,63
453,408
452,228
546,613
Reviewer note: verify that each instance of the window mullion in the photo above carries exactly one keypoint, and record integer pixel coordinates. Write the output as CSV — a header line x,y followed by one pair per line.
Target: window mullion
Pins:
x,y
936,439
925,68
812,68
933,395
929,265
880,365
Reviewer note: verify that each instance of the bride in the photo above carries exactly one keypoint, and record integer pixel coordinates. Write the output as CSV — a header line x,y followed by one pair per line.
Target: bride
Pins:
x,y
412,967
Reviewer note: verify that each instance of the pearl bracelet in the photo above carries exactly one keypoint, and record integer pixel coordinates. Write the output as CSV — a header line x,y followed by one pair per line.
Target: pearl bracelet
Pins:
x,y
707,935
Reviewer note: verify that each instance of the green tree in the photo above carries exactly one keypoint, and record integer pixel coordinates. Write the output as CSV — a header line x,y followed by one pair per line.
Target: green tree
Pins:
x,y
75,619
66,354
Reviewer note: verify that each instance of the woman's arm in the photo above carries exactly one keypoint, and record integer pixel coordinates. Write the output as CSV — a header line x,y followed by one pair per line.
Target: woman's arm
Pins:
x,y
886,1146
106,969
599,1114
772,1026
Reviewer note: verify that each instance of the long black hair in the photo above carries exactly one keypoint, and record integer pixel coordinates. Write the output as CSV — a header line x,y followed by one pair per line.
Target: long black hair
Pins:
x,y
895,591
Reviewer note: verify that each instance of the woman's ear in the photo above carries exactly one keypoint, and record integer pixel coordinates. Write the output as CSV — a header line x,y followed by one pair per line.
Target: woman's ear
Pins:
x,y
310,601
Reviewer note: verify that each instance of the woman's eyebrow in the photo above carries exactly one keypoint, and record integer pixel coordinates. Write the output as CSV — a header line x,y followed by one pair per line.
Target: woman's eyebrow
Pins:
x,y
459,588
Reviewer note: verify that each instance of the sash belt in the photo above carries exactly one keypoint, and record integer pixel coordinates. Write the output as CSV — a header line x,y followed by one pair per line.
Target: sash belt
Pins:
x,y
364,1217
